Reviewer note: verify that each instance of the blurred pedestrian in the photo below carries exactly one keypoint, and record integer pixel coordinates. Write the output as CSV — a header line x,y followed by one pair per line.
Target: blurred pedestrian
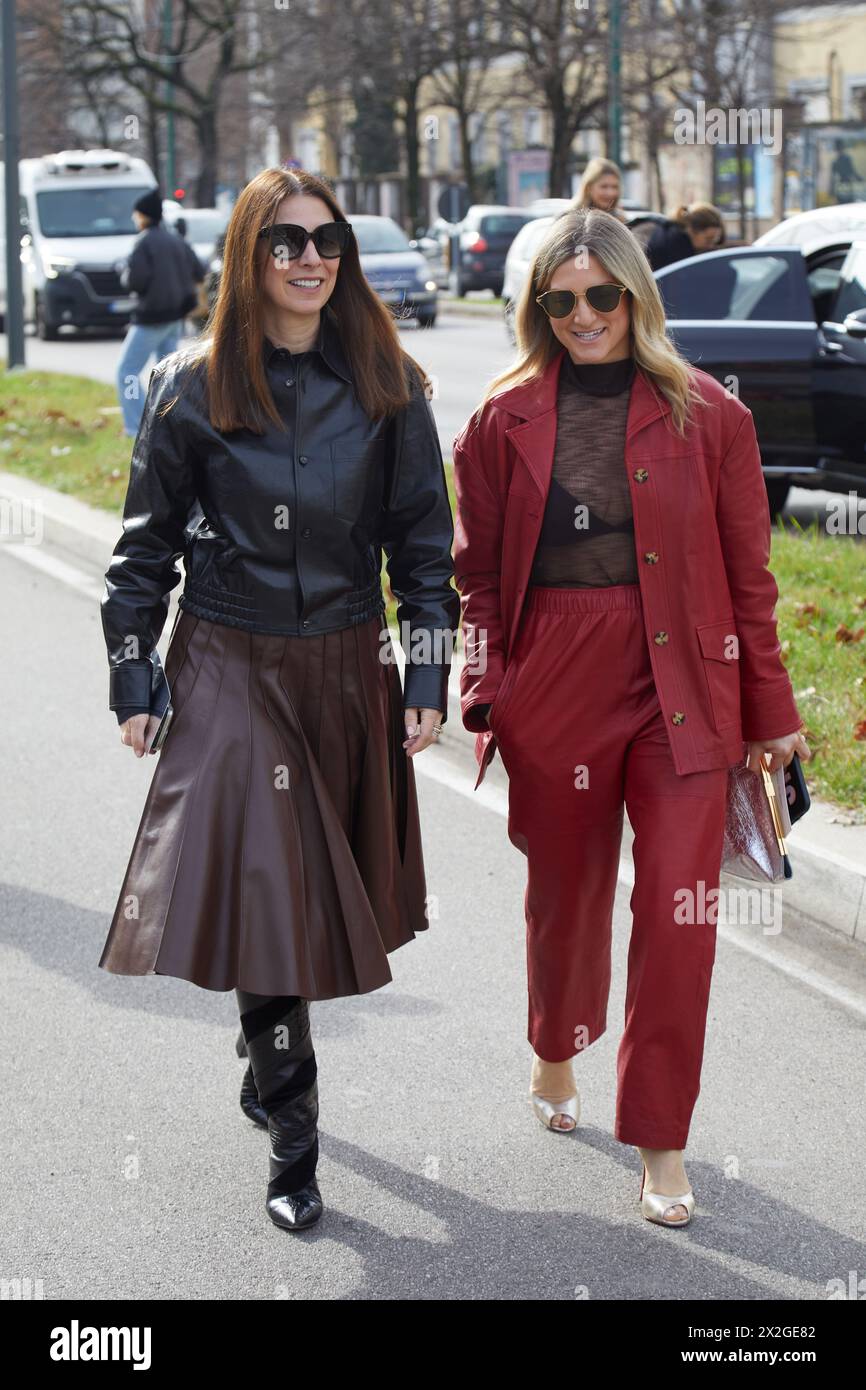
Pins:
x,y
159,272
693,229
279,850
601,187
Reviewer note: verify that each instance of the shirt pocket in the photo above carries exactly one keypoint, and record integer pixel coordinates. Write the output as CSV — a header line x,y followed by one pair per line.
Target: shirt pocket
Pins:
x,y
721,659
358,472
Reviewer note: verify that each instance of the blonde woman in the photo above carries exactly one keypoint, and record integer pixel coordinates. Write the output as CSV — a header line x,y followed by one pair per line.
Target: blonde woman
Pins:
x,y
612,544
600,187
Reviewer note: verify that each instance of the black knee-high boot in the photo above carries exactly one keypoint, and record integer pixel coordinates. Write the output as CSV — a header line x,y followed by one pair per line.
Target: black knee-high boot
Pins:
x,y
250,1103
280,1049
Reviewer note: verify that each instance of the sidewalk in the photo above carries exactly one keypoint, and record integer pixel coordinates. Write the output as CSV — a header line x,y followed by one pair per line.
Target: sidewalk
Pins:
x,y
829,861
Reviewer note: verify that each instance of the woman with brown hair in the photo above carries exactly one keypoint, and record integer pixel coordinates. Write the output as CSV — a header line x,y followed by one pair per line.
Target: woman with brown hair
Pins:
x,y
690,232
279,850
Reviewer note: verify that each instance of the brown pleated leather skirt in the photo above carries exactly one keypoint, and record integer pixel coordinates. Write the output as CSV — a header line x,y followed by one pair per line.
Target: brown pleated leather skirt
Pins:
x,y
279,848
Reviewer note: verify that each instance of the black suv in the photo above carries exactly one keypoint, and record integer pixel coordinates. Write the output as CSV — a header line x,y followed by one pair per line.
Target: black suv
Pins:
x,y
479,245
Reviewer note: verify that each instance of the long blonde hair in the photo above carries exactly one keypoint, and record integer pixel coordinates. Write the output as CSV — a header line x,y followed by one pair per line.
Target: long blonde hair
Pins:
x,y
590,231
596,169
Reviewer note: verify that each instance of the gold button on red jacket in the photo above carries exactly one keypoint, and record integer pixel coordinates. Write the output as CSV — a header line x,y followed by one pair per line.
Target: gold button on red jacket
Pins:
x,y
702,510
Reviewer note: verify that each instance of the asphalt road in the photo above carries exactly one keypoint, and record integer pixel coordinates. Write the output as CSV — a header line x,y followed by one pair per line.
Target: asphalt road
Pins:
x,y
462,353
129,1171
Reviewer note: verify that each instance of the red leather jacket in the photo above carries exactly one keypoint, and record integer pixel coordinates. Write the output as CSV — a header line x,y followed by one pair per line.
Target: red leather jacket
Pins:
x,y
702,533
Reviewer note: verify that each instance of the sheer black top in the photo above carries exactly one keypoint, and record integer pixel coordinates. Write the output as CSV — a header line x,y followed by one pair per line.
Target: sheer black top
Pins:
x,y
587,533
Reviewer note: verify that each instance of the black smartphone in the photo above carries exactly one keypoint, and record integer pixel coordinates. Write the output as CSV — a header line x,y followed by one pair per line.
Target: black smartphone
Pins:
x,y
162,730
796,791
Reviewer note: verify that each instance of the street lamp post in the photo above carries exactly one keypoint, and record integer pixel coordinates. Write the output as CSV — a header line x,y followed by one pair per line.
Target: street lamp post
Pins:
x,y
14,296
614,82
170,179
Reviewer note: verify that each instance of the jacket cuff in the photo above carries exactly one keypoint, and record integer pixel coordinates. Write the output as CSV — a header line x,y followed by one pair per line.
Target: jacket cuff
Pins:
x,y
770,714
426,687
475,716
129,684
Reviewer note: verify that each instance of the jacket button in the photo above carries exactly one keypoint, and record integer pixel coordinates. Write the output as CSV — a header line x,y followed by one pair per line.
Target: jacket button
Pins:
x,y
678,717
651,557
302,458
640,475
306,532
290,381
660,638
305,623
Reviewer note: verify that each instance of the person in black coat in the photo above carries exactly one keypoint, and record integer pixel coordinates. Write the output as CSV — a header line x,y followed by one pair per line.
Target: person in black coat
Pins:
x,y
159,272
281,455
692,230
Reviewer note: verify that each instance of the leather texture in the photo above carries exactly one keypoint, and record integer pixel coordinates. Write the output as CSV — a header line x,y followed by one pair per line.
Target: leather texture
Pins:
x,y
702,536
283,1062
583,739
284,532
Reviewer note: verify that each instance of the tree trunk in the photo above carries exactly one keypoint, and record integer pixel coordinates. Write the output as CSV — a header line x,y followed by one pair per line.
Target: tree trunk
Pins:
x,y
206,129
466,154
559,153
152,118
413,212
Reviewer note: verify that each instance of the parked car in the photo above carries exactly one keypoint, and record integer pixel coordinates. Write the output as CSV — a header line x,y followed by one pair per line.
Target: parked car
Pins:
x,y
480,244
432,242
205,233
787,332
397,271
820,227
204,227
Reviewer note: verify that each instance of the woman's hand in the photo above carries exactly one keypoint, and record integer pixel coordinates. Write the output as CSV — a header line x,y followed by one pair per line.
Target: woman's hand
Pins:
x,y
781,752
138,732
419,729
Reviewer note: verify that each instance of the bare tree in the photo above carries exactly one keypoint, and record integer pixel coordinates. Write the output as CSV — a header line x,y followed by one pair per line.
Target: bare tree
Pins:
x,y
726,48
181,67
564,52
461,83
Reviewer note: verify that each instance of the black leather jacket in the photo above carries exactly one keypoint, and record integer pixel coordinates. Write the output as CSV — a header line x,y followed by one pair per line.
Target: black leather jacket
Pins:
x,y
284,532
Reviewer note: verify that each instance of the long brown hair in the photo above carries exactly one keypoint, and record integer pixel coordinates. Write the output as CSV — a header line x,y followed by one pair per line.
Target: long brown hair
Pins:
x,y
589,230
698,217
231,345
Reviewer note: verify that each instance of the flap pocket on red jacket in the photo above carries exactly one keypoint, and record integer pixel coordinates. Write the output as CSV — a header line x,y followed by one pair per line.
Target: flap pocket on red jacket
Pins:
x,y
719,641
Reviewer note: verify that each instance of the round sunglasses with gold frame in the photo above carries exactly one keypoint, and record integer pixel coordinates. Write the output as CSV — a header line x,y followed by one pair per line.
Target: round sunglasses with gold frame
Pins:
x,y
558,304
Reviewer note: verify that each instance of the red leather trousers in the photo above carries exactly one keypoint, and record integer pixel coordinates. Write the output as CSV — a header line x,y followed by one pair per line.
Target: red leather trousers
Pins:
x,y
581,734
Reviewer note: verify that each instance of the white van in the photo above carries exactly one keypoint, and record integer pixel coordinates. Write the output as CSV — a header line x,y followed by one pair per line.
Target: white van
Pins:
x,y
76,229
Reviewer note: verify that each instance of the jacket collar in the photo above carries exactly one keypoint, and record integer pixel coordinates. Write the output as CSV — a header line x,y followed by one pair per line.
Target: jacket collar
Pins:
x,y
328,344
538,396
534,402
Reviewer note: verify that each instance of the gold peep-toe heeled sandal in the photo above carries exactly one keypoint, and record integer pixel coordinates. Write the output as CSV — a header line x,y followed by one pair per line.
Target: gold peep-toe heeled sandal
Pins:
x,y
546,1109
654,1205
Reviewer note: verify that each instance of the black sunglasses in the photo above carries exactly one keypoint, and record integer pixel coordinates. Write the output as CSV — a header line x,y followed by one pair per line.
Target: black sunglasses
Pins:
x,y
290,241
558,304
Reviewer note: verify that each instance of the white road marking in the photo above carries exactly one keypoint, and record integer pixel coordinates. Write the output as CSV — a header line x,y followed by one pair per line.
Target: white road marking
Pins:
x,y
73,578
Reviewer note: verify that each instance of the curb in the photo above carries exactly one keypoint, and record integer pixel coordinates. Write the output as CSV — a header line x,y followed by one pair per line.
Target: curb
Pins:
x,y
829,861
